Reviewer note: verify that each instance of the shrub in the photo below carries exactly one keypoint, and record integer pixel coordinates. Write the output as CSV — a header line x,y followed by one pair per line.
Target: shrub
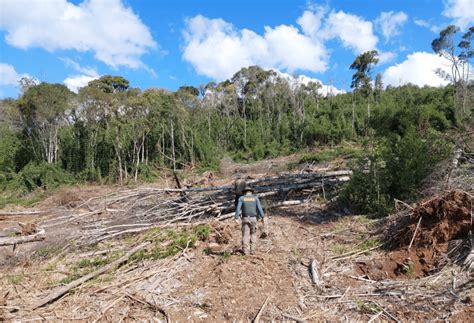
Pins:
x,y
395,168
45,176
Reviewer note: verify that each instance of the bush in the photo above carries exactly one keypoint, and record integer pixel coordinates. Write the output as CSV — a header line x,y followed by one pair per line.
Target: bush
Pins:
x,y
43,175
395,168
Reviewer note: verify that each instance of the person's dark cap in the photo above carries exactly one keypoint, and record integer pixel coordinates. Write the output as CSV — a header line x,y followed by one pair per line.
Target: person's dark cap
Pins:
x,y
247,188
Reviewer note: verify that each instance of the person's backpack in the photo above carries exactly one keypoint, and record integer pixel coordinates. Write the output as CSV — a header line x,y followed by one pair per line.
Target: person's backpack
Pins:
x,y
239,187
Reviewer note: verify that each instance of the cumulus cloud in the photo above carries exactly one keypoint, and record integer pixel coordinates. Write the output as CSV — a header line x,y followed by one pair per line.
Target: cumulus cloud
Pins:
x,y
75,82
311,20
390,23
113,32
419,68
296,81
354,32
461,11
217,49
386,57
8,75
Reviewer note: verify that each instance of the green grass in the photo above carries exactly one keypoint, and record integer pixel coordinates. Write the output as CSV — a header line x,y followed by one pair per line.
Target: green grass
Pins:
x,y
339,249
26,201
203,232
369,244
367,308
46,252
15,279
169,243
70,278
226,254
166,243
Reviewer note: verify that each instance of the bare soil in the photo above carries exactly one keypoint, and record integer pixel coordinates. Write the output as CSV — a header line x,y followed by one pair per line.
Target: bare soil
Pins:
x,y
362,278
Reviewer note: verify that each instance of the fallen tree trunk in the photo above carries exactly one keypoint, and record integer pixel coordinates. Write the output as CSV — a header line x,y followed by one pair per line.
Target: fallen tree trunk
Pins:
x,y
315,277
10,241
63,290
19,213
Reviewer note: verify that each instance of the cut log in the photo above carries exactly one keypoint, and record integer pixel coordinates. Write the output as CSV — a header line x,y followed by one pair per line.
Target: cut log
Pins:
x,y
10,241
63,290
19,213
315,277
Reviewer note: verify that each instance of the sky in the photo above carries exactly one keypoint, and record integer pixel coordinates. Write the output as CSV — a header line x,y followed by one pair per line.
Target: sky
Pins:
x,y
167,44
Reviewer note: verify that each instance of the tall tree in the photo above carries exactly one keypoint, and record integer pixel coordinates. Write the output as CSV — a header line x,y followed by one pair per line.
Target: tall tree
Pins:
x,y
43,110
115,89
362,78
459,55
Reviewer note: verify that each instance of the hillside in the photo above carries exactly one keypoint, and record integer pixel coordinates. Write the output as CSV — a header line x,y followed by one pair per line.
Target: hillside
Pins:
x,y
193,271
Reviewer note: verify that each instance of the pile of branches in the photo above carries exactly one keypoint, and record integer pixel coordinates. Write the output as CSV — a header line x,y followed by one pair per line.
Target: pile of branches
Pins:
x,y
138,209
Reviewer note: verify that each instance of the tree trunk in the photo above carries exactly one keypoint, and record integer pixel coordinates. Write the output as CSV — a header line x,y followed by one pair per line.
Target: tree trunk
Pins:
x,y
172,145
368,109
353,114
118,154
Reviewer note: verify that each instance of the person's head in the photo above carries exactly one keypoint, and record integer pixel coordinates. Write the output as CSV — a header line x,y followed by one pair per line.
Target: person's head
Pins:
x,y
248,190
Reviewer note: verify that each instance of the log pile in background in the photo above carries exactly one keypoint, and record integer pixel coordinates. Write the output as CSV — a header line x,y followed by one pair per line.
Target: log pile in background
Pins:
x,y
138,209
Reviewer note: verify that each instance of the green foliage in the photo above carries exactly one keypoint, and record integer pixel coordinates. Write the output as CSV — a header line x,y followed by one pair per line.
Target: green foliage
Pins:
x,y
394,168
15,279
368,307
48,251
45,176
171,242
9,146
113,132
203,232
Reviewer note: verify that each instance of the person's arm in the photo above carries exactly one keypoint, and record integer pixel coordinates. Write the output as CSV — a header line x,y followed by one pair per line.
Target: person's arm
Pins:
x,y
237,210
259,208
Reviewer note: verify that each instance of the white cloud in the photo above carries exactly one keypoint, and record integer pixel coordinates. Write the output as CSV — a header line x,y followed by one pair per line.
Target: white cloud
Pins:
x,y
112,31
354,32
419,69
461,11
75,82
9,76
217,49
311,21
296,81
426,24
385,57
390,23
78,68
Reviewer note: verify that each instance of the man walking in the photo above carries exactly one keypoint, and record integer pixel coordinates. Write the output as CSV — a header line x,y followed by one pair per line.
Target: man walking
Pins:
x,y
251,210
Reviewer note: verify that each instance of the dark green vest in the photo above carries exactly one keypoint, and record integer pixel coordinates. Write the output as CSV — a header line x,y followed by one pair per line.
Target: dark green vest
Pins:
x,y
249,206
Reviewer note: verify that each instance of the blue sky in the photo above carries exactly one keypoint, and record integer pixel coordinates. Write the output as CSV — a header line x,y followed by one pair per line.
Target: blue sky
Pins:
x,y
168,43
